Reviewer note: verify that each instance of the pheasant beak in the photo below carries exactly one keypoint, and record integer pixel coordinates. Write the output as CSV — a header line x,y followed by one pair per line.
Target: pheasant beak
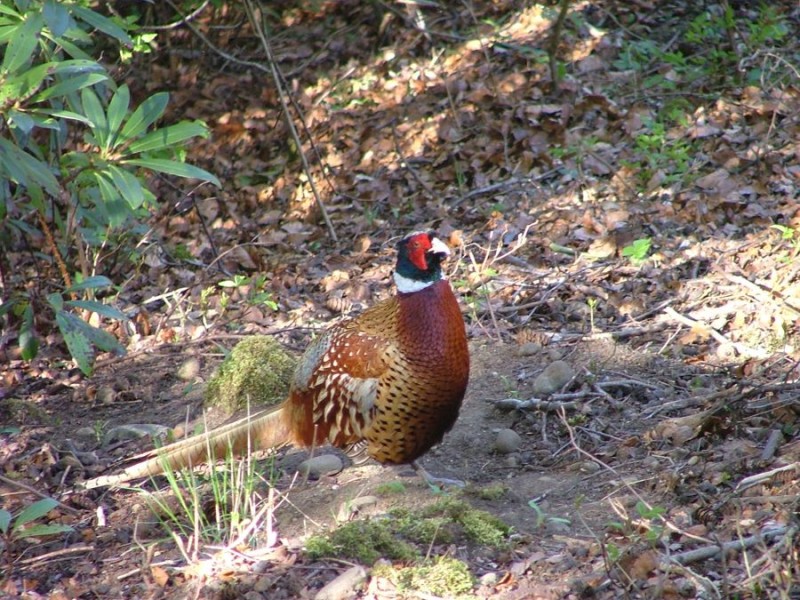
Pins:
x,y
439,247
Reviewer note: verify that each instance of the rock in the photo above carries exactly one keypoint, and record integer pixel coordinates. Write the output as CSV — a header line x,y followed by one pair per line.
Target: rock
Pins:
x,y
352,507
529,349
320,465
344,586
553,378
507,441
189,370
105,395
134,431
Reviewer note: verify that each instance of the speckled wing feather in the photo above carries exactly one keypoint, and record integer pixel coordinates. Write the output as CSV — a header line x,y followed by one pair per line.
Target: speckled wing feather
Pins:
x,y
335,386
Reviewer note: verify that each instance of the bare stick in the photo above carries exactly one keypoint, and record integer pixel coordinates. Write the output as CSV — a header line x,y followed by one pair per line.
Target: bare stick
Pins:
x,y
276,78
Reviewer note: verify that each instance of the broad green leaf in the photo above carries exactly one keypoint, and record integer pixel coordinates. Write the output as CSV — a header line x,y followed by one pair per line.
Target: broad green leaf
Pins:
x,y
128,186
28,342
77,343
35,511
94,110
101,338
7,32
77,66
7,10
56,301
45,121
23,43
168,136
5,520
18,87
74,50
173,167
57,17
69,85
21,120
90,283
145,115
63,114
102,23
26,169
117,109
42,530
108,191
101,309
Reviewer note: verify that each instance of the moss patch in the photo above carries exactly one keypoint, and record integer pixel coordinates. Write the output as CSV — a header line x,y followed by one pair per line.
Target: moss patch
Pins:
x,y
448,521
477,526
364,541
258,370
445,577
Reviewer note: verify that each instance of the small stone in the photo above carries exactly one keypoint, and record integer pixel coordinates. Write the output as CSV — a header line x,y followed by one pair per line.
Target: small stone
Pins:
x,y
320,465
512,460
507,441
529,349
86,435
352,507
134,431
489,578
553,378
344,586
189,370
105,395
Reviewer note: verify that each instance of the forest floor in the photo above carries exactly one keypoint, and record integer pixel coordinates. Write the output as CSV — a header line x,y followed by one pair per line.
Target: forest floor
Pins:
x,y
636,230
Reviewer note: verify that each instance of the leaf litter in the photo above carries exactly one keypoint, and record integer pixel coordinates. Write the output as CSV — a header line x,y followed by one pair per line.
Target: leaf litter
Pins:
x,y
676,434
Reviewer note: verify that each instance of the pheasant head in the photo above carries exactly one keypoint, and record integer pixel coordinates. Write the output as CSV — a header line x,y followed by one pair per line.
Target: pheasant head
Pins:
x,y
419,259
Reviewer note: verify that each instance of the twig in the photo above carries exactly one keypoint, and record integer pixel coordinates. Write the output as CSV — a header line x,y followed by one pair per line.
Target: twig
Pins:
x,y
741,348
62,554
35,492
549,405
510,182
690,556
749,482
555,38
773,441
183,21
761,293
407,164
732,394
253,14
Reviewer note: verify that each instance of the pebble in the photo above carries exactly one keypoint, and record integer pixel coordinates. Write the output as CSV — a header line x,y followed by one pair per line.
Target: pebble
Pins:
x,y
529,349
354,506
507,441
189,370
344,586
553,378
320,465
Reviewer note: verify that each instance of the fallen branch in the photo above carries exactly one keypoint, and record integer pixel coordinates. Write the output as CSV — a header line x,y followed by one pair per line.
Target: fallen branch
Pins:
x,y
697,325
690,556
509,404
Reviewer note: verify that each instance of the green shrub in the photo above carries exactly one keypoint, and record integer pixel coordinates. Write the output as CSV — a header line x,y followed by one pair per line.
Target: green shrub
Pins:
x,y
74,154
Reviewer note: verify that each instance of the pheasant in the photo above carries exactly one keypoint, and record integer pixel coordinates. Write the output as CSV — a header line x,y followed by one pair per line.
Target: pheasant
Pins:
x,y
389,381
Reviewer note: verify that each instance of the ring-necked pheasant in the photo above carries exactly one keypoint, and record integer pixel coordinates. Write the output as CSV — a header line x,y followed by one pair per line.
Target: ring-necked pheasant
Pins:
x,y
390,380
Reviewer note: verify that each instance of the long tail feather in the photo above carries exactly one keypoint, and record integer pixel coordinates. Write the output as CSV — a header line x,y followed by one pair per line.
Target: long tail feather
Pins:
x,y
267,429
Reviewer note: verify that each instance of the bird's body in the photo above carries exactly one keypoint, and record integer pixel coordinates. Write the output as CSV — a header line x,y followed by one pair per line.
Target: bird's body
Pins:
x,y
390,381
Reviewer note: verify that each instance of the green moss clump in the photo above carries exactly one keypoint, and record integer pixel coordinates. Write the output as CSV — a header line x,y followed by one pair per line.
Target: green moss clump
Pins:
x,y
390,488
478,525
364,541
258,371
445,577
422,530
491,493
